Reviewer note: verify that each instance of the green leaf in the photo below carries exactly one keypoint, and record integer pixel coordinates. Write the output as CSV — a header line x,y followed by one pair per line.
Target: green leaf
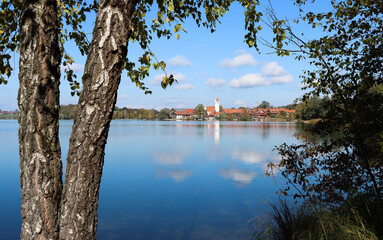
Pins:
x,y
177,27
171,6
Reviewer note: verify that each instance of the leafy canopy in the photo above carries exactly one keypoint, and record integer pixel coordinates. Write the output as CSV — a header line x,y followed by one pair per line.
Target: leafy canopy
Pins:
x,y
169,21
347,60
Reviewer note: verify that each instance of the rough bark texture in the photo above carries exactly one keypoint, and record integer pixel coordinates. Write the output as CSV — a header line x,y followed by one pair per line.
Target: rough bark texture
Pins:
x,y
38,99
101,79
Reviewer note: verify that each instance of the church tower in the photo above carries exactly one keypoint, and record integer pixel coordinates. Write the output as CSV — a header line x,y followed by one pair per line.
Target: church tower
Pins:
x,y
216,109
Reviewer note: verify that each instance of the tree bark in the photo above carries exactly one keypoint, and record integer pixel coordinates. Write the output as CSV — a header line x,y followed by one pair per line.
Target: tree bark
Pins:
x,y
38,100
78,219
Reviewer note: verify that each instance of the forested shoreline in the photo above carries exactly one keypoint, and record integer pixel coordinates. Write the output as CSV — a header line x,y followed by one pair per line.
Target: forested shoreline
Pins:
x,y
313,108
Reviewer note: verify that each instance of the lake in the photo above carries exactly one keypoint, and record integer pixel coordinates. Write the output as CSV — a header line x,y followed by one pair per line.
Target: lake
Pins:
x,y
168,180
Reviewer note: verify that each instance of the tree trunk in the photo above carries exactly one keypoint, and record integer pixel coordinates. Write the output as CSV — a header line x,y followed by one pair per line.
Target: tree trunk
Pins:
x,y
38,100
98,96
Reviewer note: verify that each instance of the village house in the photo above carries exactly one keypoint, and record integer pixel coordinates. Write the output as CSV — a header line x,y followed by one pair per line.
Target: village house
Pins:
x,y
258,113
213,113
234,113
182,113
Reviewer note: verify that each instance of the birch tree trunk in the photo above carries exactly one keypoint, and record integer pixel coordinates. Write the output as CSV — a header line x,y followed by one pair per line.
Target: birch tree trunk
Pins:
x,y
38,100
78,219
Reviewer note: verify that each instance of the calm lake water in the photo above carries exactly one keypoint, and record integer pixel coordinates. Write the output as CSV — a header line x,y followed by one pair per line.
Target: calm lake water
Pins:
x,y
168,180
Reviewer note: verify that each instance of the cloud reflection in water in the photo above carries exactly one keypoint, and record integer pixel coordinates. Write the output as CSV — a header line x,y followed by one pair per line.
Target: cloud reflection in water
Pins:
x,y
240,177
170,158
177,175
250,156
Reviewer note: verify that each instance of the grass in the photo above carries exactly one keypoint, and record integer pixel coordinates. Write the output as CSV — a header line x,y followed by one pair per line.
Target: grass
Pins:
x,y
288,221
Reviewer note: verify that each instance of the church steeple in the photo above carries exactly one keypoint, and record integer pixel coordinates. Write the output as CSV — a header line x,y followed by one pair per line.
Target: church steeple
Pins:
x,y
216,109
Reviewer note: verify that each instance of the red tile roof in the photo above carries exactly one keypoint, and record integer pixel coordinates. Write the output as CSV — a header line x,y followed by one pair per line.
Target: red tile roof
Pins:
x,y
287,111
232,111
259,111
186,112
210,109
273,110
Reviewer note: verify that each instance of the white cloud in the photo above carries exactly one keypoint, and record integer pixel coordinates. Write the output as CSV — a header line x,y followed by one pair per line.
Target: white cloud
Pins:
x,y
215,83
249,80
239,102
243,59
281,79
156,80
185,86
179,60
273,69
276,73
271,73
74,66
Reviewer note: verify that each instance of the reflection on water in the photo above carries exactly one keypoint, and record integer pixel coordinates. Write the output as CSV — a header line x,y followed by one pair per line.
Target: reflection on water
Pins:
x,y
177,175
168,180
239,176
250,156
216,133
170,158
187,180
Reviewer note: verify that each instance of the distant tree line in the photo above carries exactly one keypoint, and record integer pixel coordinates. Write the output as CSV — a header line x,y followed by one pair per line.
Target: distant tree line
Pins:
x,y
68,112
306,110
8,116
313,108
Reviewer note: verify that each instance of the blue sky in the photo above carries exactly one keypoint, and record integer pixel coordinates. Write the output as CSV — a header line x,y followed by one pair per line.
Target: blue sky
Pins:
x,y
207,65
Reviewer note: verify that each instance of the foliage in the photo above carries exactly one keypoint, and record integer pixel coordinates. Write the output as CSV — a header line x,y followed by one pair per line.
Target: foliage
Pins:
x,y
282,114
129,113
313,107
9,37
229,117
341,156
67,111
164,114
169,20
347,60
8,116
245,116
222,116
302,222
201,112
264,104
